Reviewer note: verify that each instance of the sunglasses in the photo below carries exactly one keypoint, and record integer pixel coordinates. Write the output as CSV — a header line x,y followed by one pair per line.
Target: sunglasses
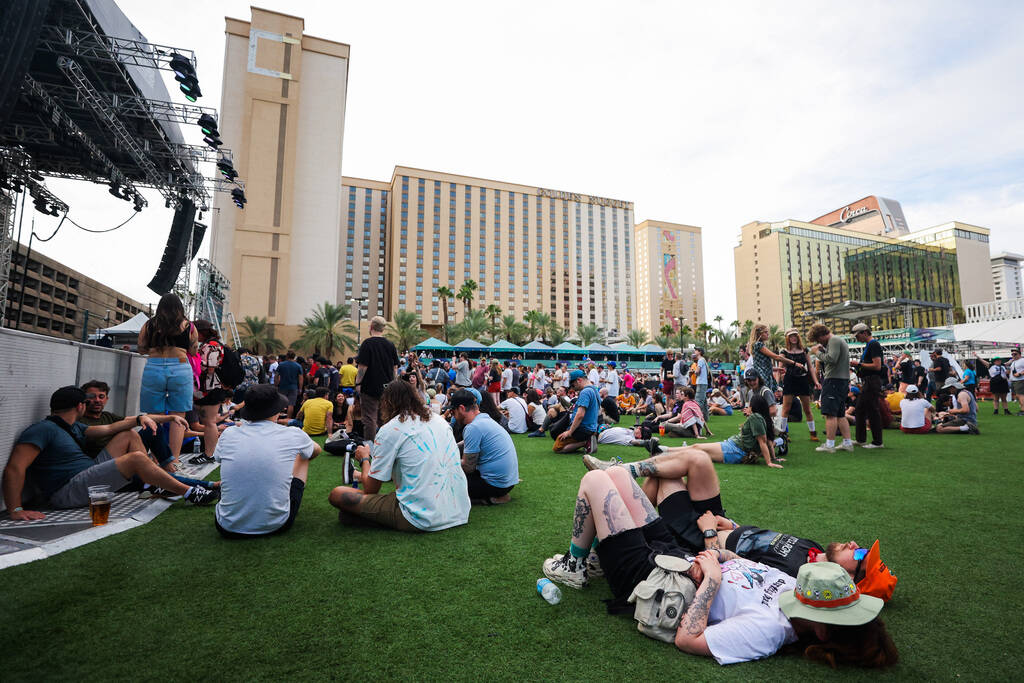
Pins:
x,y
859,554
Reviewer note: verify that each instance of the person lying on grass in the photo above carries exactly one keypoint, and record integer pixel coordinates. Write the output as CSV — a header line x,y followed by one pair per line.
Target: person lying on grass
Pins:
x,y
684,486
49,455
264,466
742,610
489,458
416,449
756,439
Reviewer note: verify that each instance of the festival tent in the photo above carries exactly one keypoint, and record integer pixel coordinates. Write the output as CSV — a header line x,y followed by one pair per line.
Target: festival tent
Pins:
x,y
624,347
536,346
569,347
599,347
131,326
433,344
652,348
502,345
1008,332
469,345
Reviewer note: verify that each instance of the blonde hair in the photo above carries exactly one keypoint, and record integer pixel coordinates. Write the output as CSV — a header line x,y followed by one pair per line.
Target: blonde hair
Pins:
x,y
755,334
377,323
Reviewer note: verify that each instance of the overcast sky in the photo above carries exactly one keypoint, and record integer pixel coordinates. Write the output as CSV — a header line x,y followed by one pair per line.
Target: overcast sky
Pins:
x,y
710,114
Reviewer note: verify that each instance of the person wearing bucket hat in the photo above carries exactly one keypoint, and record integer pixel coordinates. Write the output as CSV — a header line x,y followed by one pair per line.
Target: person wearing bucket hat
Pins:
x,y
264,466
962,418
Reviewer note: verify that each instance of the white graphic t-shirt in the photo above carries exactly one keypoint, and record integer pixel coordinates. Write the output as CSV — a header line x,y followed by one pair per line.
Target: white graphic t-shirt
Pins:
x,y
745,621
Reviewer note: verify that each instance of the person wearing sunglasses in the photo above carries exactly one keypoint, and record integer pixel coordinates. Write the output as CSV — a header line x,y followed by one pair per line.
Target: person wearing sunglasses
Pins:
x,y
683,484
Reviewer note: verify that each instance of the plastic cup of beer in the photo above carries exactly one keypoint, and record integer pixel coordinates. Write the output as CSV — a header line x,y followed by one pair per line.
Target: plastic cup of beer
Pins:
x,y
99,504
661,430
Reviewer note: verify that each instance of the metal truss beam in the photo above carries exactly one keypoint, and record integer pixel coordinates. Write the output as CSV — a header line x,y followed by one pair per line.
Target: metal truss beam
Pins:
x,y
98,47
139,107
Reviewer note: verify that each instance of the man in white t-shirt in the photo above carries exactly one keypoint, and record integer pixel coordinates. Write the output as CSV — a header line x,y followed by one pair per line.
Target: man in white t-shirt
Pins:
x,y
515,408
263,468
416,450
1016,370
594,375
506,378
540,379
611,380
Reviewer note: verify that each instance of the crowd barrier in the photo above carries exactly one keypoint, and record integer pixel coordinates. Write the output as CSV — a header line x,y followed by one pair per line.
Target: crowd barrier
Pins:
x,y
33,366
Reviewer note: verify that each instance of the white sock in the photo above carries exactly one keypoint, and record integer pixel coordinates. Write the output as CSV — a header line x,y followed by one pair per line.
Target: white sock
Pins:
x,y
847,442
188,491
830,443
810,426
783,423
963,428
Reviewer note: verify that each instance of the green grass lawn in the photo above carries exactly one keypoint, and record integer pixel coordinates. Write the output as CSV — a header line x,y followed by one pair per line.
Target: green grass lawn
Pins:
x,y
172,600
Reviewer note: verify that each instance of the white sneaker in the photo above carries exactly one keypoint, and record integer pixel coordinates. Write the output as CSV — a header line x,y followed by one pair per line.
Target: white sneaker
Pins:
x,y
566,570
594,566
825,449
843,447
862,444
872,445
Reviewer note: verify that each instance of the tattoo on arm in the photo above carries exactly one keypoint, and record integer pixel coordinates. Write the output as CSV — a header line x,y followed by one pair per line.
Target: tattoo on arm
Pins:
x,y
712,543
726,555
695,621
580,517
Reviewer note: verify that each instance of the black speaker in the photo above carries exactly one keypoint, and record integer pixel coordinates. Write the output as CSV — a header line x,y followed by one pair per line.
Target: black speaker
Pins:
x,y
20,24
177,248
198,231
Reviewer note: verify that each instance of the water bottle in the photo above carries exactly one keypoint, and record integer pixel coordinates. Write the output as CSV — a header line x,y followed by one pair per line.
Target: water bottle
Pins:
x,y
195,446
549,591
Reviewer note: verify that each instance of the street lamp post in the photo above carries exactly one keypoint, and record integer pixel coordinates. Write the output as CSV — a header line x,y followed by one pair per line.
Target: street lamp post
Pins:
x,y
359,314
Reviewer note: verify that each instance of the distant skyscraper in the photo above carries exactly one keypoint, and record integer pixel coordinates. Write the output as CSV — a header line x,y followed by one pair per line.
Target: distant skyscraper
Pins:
x,y
1006,278
670,282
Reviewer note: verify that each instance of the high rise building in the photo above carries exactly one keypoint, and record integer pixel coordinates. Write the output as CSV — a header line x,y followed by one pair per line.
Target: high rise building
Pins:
x,y
670,282
788,269
528,248
283,116
361,278
1006,279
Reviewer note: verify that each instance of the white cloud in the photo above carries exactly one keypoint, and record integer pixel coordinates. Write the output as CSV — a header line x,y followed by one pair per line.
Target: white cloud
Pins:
x,y
701,113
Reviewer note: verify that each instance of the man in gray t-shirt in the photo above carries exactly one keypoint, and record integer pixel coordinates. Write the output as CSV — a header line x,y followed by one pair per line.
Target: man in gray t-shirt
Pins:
x,y
463,375
833,352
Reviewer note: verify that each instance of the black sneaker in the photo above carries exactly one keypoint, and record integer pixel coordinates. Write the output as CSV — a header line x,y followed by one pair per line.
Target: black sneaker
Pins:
x,y
200,495
652,445
972,428
348,472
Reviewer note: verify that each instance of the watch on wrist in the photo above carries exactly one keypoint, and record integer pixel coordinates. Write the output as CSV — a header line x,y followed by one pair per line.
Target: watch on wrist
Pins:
x,y
710,533
138,420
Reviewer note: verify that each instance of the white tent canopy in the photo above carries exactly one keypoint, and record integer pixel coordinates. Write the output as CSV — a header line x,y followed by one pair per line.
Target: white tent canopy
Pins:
x,y
1009,332
131,326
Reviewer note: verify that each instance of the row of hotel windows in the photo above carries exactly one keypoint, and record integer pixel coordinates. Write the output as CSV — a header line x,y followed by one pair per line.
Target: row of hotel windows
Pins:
x,y
31,319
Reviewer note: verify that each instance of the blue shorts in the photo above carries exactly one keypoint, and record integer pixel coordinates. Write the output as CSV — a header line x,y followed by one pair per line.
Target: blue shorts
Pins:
x,y
727,409
731,453
166,386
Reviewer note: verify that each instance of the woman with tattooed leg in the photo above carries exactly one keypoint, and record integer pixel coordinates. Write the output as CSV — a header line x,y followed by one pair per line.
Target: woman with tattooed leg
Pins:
x,y
742,610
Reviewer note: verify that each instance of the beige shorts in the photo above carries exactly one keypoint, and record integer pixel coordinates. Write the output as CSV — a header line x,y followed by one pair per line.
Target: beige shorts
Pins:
x,y
384,509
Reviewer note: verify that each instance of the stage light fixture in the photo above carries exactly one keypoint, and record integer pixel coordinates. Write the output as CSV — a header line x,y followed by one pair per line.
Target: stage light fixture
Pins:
x,y
185,75
227,169
138,202
208,124
238,197
181,65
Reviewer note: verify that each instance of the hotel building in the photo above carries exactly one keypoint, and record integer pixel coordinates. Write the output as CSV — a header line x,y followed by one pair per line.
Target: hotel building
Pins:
x,y
527,248
361,277
283,117
1006,280
789,269
670,266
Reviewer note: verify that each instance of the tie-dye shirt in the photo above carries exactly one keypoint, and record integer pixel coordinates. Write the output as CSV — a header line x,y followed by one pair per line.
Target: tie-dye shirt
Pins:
x,y
424,462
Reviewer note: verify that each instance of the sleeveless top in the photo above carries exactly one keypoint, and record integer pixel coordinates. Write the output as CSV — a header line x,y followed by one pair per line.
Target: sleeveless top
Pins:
x,y
182,340
796,357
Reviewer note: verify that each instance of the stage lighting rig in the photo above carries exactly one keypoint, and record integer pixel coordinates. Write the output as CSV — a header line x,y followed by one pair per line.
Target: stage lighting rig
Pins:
x,y
227,169
185,75
238,197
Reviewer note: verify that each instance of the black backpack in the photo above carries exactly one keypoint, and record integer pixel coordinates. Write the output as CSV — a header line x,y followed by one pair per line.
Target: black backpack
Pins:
x,y
230,371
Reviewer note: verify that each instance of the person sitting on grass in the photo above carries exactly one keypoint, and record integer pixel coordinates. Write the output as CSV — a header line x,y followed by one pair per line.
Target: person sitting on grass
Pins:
x,y
488,455
416,449
582,429
317,413
610,412
49,455
915,412
753,386
626,402
755,439
742,610
689,421
962,418
683,484
264,467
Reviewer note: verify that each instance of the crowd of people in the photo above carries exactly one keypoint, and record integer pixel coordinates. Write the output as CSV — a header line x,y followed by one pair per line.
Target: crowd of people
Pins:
x,y
440,429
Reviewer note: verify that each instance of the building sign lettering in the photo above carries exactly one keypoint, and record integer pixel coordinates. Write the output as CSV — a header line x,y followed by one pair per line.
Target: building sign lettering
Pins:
x,y
848,214
583,198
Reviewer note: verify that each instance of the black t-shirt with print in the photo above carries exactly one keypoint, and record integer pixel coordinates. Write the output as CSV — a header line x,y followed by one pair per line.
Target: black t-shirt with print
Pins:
x,y
666,368
942,363
380,357
784,552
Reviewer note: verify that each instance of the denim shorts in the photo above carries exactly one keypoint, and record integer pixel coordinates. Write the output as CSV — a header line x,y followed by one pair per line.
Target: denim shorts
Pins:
x,y
731,453
166,386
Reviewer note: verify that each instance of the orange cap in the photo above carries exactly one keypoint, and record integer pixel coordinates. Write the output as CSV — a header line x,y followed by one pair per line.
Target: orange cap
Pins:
x,y
878,580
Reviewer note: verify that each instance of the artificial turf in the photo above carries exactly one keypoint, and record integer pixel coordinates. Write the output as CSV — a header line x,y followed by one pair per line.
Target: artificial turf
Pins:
x,y
172,600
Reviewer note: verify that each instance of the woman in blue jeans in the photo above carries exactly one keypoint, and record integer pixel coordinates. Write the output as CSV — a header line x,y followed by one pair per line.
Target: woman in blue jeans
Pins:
x,y
167,381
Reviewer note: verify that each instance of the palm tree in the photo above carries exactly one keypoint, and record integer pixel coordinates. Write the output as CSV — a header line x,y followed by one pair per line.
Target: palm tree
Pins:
x,y
405,331
445,293
726,346
466,294
684,336
589,334
513,330
667,330
474,326
719,319
663,341
327,329
493,311
636,338
704,330
746,329
556,334
541,326
776,339
530,318
258,333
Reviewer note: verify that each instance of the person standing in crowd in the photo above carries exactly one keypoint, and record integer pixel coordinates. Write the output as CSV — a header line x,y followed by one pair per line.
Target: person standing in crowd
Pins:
x,y
348,373
797,380
938,372
168,380
761,357
703,380
211,355
1017,379
377,361
251,374
289,379
667,366
834,353
869,370
508,379
463,373
998,384
907,374
970,378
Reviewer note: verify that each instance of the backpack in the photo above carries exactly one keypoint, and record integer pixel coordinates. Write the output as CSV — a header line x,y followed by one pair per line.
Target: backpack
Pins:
x,y
662,598
323,377
230,371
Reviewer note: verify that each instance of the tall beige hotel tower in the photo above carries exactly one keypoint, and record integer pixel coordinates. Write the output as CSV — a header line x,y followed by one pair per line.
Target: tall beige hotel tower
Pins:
x,y
283,116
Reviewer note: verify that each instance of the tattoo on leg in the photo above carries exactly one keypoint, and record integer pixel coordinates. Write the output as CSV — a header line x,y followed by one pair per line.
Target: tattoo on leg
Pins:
x,y
646,468
351,498
612,529
650,513
580,517
696,618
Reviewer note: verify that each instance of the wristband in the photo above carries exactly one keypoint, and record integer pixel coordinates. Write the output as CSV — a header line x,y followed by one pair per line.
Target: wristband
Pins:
x,y
138,420
18,509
